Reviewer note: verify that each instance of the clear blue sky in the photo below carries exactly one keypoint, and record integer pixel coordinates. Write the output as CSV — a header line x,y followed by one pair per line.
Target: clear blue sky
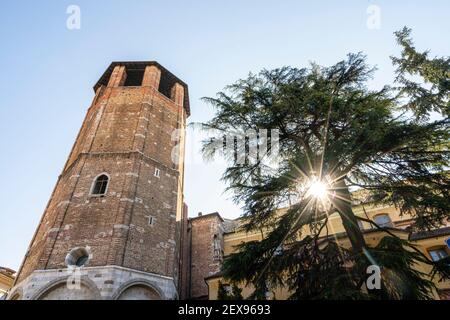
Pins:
x,y
47,72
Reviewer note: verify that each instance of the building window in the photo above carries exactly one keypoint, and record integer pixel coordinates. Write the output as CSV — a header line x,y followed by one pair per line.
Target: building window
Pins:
x,y
100,185
267,292
227,288
383,220
278,251
81,261
151,220
157,172
134,77
438,254
77,257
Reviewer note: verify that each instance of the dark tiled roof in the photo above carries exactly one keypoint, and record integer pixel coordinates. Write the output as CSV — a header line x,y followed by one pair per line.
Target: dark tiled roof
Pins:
x,y
208,215
429,234
230,225
168,79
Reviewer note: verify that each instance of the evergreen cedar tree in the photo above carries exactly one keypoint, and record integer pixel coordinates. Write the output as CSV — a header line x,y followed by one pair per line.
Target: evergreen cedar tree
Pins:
x,y
333,128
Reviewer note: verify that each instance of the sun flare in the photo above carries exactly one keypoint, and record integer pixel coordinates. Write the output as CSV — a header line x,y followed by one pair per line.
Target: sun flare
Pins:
x,y
318,189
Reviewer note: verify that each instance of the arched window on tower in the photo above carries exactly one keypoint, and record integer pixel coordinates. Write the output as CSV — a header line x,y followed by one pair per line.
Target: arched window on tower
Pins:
x,y
100,185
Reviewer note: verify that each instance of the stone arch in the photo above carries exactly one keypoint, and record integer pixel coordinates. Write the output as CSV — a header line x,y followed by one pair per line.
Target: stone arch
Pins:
x,y
16,294
58,290
138,289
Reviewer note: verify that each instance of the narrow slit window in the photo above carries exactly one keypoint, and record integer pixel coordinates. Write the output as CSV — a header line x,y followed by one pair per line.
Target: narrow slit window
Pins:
x,y
151,220
100,185
157,172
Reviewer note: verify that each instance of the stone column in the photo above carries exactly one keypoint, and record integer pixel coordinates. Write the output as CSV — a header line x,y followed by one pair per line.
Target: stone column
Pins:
x,y
177,94
152,76
118,77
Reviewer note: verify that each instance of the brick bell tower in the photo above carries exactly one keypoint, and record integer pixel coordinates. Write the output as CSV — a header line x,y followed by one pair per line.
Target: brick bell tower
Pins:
x,y
111,227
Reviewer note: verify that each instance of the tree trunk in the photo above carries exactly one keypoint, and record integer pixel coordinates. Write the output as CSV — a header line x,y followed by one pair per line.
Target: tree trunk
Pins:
x,y
342,202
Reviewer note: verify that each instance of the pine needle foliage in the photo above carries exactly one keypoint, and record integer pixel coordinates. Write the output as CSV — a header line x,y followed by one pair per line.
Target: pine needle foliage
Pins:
x,y
387,143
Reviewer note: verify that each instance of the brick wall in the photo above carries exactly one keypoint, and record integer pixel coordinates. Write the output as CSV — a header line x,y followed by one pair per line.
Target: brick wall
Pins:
x,y
204,231
126,134
184,256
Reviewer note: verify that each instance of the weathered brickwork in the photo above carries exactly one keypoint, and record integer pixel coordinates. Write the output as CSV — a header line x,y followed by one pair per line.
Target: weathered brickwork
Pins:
x,y
206,252
128,135
184,262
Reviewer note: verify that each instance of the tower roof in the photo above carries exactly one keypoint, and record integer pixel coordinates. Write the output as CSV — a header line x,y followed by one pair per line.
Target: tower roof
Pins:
x,y
168,79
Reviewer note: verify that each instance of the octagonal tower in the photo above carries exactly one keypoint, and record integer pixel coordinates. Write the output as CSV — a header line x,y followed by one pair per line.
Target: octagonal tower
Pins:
x,y
109,230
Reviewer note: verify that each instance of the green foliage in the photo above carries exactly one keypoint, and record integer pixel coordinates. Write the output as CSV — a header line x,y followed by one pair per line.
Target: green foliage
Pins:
x,y
334,129
400,278
431,91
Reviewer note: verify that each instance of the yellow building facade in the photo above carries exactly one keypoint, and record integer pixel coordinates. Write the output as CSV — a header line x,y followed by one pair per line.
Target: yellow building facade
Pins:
x,y
430,243
6,281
